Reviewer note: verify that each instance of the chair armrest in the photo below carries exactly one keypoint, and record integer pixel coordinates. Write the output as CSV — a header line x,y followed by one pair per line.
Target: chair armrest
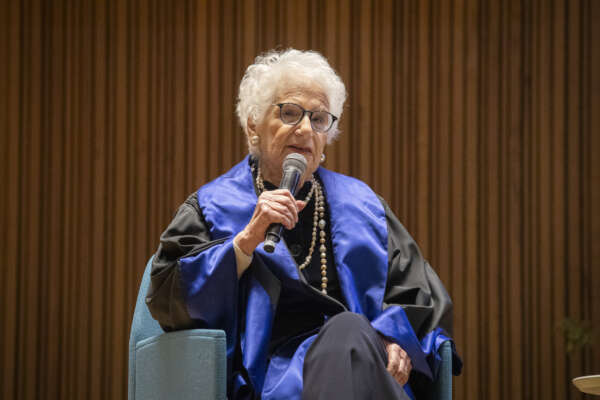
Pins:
x,y
189,364
442,387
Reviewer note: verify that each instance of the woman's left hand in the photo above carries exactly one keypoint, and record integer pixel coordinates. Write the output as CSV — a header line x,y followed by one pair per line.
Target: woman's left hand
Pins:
x,y
399,364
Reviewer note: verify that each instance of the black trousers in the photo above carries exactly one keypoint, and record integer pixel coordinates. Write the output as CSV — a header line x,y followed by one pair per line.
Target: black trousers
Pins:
x,y
348,361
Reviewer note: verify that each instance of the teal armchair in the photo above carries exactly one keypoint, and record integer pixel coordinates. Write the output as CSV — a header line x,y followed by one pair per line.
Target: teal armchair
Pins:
x,y
192,364
188,364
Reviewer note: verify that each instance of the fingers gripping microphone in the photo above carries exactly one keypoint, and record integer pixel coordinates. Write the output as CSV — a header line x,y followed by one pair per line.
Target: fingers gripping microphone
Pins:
x,y
294,166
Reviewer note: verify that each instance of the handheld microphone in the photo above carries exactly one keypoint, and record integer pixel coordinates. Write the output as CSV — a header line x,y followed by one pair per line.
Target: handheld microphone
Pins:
x,y
294,166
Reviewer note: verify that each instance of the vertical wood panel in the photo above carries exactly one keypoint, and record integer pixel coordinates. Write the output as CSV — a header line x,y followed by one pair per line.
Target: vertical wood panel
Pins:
x,y
119,87
491,253
421,116
456,201
10,332
527,204
475,120
470,173
593,300
574,13
76,384
362,102
514,187
96,367
558,196
344,67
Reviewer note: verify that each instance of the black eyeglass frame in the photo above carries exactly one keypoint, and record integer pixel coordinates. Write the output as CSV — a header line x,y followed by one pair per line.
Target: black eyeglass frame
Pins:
x,y
304,112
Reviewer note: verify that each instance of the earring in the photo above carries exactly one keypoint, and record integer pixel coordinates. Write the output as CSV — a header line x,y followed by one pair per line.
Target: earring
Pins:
x,y
322,157
254,140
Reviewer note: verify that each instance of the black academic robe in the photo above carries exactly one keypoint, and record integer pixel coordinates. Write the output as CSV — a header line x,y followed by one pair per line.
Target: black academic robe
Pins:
x,y
189,272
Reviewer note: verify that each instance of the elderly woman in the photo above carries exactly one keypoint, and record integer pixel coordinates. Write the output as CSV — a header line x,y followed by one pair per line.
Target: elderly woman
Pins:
x,y
345,307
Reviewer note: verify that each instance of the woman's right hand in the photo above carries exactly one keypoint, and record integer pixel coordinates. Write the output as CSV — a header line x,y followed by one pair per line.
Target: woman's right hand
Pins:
x,y
273,207
399,364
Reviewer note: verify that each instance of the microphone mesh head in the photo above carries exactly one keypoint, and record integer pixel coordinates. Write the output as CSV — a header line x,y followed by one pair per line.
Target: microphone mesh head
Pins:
x,y
296,161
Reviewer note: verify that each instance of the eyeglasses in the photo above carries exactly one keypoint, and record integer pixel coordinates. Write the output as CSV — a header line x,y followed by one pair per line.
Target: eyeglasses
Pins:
x,y
291,114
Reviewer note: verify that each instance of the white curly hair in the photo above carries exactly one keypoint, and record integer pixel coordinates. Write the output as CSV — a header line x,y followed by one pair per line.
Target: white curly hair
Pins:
x,y
273,70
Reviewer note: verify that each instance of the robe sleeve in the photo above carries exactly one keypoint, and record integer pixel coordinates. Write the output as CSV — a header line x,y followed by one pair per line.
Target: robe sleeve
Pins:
x,y
194,280
417,310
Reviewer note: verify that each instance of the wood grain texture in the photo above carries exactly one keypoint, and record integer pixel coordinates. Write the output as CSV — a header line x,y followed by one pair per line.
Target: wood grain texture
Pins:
x,y
478,121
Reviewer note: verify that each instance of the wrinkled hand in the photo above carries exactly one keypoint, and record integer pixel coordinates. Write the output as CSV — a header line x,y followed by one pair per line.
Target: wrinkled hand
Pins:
x,y
273,207
399,364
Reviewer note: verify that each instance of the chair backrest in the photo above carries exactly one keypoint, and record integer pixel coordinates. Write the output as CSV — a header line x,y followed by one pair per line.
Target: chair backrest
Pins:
x,y
143,325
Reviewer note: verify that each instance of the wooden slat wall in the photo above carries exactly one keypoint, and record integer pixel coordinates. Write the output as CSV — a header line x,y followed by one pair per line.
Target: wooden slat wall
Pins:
x,y
478,121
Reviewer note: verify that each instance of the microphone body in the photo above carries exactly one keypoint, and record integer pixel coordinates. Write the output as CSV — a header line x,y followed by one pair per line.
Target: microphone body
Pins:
x,y
294,166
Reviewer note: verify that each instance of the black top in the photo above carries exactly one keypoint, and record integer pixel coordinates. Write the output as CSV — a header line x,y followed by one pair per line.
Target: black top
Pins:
x,y
297,313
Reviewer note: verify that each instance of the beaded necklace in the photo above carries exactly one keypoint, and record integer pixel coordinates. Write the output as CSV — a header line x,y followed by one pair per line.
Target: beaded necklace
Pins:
x,y
318,224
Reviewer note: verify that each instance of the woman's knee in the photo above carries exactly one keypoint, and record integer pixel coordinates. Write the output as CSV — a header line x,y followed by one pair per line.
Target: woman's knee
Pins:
x,y
347,319
347,326
348,337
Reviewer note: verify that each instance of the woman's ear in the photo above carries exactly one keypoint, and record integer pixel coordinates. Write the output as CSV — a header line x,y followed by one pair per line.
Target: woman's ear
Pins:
x,y
252,136
250,127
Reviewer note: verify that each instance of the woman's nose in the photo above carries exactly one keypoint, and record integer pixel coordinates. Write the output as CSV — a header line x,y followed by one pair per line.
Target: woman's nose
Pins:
x,y
304,125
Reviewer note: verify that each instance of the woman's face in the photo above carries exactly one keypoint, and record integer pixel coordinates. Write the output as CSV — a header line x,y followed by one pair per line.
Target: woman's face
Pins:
x,y
278,139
